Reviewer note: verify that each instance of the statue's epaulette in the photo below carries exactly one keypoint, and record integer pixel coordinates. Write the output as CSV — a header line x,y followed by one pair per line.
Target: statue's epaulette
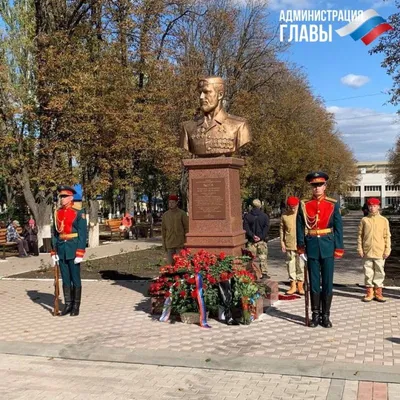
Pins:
x,y
236,118
331,199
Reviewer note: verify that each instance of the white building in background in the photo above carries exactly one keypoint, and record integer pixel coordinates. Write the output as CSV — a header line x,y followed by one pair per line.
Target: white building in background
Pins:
x,y
373,181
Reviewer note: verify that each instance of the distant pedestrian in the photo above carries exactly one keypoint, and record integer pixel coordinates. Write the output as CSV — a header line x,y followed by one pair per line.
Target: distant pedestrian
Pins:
x,y
126,225
174,227
30,234
256,225
374,246
365,209
287,233
14,237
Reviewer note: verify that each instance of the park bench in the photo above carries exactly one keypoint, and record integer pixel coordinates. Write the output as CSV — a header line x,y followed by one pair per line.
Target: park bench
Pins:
x,y
3,241
113,226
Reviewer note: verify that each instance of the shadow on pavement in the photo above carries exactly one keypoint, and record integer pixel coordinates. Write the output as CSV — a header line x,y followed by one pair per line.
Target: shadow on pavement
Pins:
x,y
395,340
275,312
45,300
114,275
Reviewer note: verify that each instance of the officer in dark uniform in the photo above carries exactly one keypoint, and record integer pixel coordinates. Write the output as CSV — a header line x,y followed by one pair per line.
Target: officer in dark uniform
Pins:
x,y
68,247
320,240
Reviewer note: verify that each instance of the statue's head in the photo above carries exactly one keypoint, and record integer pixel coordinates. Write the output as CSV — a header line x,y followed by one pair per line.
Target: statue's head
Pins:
x,y
211,91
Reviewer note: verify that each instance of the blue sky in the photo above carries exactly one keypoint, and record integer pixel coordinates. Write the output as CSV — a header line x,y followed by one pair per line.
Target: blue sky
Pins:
x,y
342,69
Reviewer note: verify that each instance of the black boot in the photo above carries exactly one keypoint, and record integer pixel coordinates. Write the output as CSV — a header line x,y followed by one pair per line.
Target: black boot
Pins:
x,y
67,300
77,301
326,308
315,301
228,318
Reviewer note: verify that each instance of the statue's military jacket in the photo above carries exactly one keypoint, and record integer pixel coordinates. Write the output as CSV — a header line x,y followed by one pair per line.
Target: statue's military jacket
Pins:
x,y
225,134
319,228
70,233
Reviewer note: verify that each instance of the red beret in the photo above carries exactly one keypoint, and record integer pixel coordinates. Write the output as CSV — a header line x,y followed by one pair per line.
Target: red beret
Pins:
x,y
292,201
373,201
173,197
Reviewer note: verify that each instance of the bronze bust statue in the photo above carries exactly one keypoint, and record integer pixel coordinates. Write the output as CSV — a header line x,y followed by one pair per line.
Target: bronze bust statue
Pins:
x,y
215,133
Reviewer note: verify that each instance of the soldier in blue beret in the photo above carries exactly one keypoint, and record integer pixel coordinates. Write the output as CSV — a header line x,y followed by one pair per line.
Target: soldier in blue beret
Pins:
x,y
319,241
68,247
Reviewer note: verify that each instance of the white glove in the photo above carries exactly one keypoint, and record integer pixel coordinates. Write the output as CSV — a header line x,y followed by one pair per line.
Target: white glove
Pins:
x,y
55,259
303,256
78,260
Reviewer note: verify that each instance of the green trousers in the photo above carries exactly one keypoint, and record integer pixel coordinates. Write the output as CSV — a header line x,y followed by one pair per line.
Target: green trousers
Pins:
x,y
321,271
70,273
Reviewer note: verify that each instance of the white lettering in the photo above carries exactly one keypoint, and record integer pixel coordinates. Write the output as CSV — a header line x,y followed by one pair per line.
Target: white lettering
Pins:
x,y
289,17
297,15
325,36
321,15
314,33
293,31
341,16
281,28
303,36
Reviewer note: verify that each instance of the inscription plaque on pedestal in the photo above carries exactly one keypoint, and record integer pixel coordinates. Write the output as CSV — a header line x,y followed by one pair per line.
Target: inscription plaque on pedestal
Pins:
x,y
208,197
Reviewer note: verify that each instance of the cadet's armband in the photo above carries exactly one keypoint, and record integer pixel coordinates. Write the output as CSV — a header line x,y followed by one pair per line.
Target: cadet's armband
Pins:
x,y
338,253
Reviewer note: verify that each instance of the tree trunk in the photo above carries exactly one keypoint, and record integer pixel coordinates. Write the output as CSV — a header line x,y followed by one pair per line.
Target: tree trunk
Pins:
x,y
41,210
43,222
94,228
129,200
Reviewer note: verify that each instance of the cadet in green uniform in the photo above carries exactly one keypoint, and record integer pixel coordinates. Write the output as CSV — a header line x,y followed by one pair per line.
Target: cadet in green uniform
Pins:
x,y
320,240
68,248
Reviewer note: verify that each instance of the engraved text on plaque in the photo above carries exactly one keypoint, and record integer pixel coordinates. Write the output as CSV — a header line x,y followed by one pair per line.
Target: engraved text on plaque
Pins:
x,y
208,197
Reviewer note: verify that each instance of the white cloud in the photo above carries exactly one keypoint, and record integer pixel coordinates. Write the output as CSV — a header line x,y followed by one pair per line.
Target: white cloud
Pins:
x,y
375,4
290,4
354,81
370,134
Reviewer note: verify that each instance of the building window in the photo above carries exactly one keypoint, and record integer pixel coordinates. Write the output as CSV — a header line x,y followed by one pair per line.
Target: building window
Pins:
x,y
372,188
392,201
354,188
392,188
354,201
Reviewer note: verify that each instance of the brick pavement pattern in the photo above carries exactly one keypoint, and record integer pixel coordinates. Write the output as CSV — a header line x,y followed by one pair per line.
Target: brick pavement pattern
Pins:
x,y
116,315
30,378
72,380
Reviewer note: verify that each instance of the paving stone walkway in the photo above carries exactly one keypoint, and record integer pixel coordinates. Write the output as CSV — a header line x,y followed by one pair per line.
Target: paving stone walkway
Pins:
x,y
357,359
72,380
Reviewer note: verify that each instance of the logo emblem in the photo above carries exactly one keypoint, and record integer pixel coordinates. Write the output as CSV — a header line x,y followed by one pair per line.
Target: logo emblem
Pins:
x,y
367,27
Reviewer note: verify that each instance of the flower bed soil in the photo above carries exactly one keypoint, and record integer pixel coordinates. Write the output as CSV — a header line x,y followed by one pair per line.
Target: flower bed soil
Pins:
x,y
136,265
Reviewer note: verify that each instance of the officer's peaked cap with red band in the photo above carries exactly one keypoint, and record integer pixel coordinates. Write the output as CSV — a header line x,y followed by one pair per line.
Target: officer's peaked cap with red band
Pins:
x,y
317,177
64,189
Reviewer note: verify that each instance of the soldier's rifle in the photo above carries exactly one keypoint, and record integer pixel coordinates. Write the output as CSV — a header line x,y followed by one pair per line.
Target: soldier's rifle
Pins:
x,y
307,293
56,310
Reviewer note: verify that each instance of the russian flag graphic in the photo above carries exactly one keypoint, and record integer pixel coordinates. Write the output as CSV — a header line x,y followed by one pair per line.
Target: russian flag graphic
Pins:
x,y
367,27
